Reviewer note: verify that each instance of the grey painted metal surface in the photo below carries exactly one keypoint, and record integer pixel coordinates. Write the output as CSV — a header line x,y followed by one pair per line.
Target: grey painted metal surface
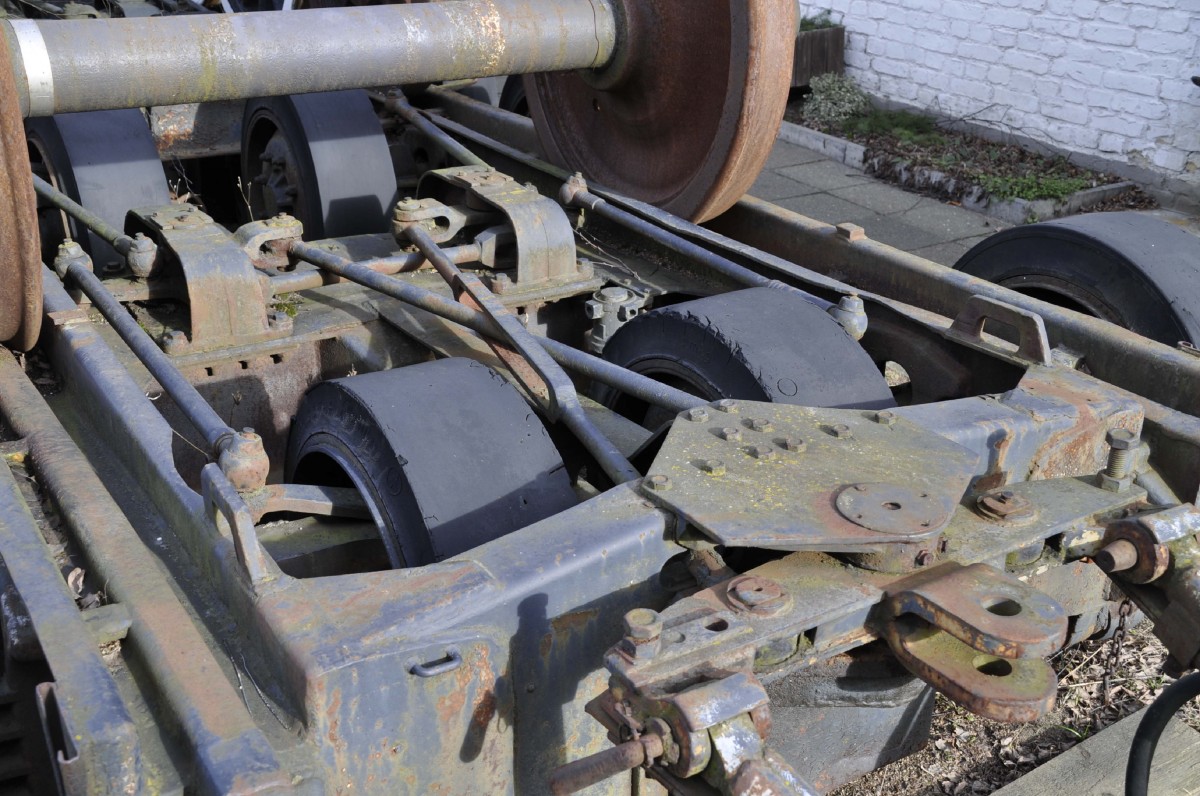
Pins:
x,y
64,65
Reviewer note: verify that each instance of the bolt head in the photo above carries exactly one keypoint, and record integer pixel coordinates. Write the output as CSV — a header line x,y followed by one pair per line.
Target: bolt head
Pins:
x,y
758,424
659,483
697,415
730,433
885,418
1121,439
761,452
841,431
727,405
794,444
643,624
713,466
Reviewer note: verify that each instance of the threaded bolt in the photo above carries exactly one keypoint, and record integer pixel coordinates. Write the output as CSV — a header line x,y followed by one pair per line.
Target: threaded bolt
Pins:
x,y
1121,443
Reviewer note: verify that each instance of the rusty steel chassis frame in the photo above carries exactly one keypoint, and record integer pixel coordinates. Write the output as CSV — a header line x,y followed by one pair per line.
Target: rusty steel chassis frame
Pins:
x,y
342,703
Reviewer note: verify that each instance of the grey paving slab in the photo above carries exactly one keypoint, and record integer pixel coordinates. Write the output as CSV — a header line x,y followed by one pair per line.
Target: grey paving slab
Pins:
x,y
949,222
894,230
826,175
771,185
880,197
785,154
826,207
1097,766
947,253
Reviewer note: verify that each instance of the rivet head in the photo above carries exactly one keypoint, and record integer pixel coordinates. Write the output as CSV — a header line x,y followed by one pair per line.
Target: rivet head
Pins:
x,y
713,466
794,444
697,415
659,483
730,433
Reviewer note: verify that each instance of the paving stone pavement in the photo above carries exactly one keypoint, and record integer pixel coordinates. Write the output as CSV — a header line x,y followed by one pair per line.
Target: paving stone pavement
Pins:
x,y
811,184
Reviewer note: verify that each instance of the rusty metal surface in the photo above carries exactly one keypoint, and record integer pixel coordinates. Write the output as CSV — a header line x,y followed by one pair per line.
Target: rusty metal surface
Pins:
x,y
778,476
989,611
635,125
231,754
21,276
1003,689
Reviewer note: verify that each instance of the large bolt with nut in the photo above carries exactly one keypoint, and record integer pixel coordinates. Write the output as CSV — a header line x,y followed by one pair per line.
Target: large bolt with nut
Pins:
x,y
1121,442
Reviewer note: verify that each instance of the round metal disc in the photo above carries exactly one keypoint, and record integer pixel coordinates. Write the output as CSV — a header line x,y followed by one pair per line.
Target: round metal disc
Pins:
x,y
21,267
891,508
686,113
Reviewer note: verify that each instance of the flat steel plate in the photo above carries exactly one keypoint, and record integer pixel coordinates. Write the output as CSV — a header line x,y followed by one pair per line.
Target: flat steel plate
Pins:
x,y
774,476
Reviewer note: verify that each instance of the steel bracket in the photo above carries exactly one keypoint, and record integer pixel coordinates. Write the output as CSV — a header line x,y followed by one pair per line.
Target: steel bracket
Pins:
x,y
226,299
545,241
974,633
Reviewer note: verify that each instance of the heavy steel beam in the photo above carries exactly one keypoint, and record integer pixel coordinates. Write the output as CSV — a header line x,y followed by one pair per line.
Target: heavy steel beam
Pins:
x,y
63,66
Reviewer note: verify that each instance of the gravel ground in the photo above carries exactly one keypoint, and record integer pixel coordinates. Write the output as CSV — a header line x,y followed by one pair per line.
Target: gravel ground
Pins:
x,y
968,755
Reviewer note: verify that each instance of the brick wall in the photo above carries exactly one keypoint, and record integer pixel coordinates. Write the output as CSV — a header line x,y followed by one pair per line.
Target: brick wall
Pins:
x,y
1108,79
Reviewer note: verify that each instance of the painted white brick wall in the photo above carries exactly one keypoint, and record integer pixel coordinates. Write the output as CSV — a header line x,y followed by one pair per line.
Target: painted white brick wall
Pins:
x,y
1105,78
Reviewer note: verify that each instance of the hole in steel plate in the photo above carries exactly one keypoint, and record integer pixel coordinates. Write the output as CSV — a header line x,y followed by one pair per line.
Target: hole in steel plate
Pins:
x,y
1004,607
892,506
992,666
718,625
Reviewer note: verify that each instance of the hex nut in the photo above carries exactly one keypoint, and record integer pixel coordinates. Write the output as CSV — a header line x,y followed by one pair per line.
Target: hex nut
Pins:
x,y
730,433
1110,484
659,483
713,466
794,444
727,405
761,452
885,418
697,415
758,424
643,624
841,431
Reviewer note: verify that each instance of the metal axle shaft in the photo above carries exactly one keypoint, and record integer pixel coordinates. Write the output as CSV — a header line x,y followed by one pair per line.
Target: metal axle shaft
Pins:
x,y
63,66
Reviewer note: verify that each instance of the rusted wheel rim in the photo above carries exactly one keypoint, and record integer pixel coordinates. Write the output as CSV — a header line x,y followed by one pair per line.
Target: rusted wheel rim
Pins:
x,y
20,249
686,115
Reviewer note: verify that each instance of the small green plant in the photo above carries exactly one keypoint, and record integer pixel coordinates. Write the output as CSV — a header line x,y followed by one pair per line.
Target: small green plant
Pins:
x,y
1032,186
288,304
909,128
818,21
834,99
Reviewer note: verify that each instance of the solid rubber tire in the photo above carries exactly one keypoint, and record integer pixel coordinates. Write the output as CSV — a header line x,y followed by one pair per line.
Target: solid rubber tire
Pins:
x,y
447,453
760,344
1135,270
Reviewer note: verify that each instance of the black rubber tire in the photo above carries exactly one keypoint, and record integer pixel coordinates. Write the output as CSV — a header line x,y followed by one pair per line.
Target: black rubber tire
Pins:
x,y
447,454
760,344
105,161
1131,269
341,156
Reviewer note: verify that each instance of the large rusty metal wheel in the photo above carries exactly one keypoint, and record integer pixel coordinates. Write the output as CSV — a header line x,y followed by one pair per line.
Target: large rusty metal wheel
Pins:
x,y
653,125
21,267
